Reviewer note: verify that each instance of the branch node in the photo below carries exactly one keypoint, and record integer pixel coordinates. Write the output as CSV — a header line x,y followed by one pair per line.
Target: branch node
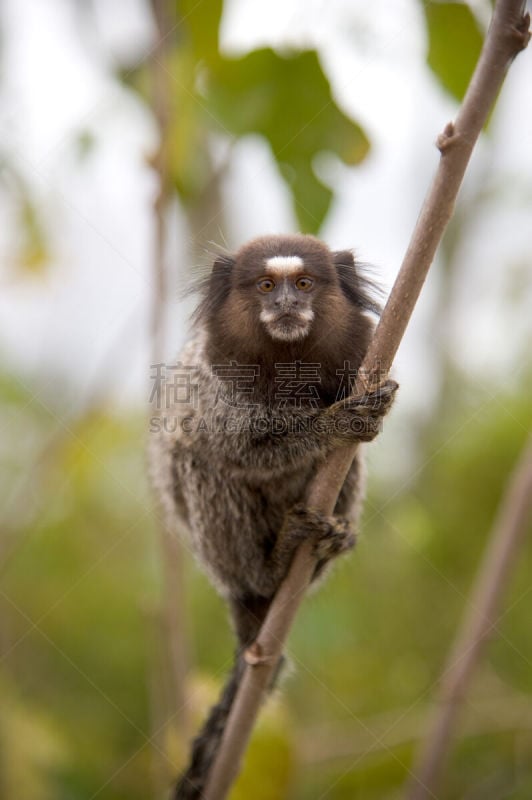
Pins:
x,y
521,31
255,656
447,138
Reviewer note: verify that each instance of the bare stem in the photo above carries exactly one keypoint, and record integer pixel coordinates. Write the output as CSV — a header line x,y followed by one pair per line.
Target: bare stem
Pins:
x,y
161,92
510,712
478,622
508,34
173,624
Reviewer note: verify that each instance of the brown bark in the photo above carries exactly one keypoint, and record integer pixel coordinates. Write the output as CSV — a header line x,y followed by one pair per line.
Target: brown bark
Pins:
x,y
173,620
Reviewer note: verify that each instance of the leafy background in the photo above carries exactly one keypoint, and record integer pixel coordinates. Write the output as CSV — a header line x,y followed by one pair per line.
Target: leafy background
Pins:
x,y
86,706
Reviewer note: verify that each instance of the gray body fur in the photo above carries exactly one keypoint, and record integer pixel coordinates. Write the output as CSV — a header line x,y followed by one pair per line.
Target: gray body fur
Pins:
x,y
228,491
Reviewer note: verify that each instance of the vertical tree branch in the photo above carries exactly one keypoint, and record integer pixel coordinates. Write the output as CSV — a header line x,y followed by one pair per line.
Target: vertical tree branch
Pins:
x,y
161,109
508,34
173,622
478,622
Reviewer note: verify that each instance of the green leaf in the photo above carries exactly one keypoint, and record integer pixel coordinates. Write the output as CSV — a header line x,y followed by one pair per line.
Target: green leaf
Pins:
x,y
269,763
32,253
455,41
288,100
187,134
198,24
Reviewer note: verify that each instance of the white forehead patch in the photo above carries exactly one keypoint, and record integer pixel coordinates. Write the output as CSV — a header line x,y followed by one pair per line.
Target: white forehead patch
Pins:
x,y
284,265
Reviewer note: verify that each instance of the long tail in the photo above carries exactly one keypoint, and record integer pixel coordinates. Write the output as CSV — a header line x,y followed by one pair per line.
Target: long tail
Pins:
x,y
248,613
191,784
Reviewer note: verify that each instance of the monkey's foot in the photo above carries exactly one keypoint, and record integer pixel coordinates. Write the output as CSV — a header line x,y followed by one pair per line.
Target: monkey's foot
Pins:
x,y
359,418
330,536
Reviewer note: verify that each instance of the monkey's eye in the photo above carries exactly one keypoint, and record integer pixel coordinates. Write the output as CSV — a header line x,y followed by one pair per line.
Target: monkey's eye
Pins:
x,y
304,284
265,285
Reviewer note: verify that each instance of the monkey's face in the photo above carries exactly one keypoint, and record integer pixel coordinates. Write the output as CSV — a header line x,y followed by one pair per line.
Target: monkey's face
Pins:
x,y
281,291
285,293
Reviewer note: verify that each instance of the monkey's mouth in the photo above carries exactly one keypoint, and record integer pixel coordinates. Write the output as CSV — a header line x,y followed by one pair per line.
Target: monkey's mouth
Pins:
x,y
288,326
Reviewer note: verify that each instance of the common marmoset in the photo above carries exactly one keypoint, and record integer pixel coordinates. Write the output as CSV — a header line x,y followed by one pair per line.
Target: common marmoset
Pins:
x,y
261,394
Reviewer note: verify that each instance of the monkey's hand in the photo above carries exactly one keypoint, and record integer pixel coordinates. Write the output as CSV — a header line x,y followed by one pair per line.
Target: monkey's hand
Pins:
x,y
359,419
330,536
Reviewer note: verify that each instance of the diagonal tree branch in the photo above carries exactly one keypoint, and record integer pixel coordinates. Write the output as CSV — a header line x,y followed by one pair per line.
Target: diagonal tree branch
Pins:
x,y
478,622
507,35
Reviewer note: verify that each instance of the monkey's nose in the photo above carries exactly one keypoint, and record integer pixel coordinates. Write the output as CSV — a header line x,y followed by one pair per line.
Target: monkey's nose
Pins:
x,y
286,301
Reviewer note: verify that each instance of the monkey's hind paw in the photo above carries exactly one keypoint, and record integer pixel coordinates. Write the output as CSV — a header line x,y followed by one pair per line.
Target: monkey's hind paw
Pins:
x,y
330,536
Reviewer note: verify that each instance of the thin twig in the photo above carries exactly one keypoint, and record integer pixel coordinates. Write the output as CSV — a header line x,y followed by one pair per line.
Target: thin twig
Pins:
x,y
381,733
173,623
161,92
508,34
478,622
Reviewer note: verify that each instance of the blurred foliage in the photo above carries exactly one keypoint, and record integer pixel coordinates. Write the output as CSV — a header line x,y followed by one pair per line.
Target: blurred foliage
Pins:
x,y
30,235
80,588
288,101
285,98
455,41
33,254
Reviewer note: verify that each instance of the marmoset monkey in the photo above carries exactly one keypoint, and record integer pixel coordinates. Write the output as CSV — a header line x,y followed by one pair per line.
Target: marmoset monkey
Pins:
x,y
279,333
